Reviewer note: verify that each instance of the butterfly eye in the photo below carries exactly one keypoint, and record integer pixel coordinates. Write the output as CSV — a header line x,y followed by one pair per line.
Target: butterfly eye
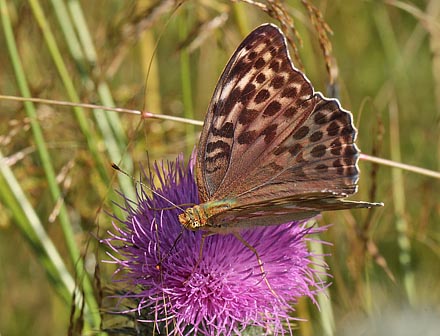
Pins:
x,y
190,219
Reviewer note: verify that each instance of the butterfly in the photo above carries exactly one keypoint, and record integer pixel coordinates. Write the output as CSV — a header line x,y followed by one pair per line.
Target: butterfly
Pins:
x,y
272,150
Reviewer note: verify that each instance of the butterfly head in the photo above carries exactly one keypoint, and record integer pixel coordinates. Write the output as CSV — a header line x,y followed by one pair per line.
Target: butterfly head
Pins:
x,y
192,218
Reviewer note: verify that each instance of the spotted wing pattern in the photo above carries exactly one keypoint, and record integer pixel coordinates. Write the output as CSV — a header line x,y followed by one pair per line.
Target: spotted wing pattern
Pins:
x,y
270,143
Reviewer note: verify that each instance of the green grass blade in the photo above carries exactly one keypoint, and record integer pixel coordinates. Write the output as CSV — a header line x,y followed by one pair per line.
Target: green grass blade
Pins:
x,y
400,79
80,115
94,316
186,82
32,229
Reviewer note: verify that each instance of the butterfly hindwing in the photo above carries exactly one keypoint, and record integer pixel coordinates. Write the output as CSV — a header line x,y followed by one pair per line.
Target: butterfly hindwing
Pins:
x,y
319,156
280,211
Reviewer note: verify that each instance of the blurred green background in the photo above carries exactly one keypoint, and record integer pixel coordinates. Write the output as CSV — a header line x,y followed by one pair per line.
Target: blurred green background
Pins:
x,y
165,57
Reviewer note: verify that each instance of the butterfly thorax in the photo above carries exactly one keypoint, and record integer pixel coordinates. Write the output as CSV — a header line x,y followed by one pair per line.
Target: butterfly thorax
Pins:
x,y
198,216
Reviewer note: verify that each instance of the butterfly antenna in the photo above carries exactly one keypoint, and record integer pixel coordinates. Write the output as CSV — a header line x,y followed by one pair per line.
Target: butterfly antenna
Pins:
x,y
117,168
260,262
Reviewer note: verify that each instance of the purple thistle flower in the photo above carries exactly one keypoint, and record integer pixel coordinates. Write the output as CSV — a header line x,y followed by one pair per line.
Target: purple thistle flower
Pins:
x,y
222,292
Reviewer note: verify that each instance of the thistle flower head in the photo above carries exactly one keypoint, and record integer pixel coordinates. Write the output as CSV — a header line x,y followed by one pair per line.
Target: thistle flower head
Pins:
x,y
216,289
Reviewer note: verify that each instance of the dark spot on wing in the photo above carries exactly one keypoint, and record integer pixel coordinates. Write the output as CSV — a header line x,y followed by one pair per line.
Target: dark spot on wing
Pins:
x,y
247,137
295,149
318,151
301,132
274,65
289,92
271,109
320,118
262,96
247,116
226,131
219,144
260,78
259,63
230,102
270,133
277,82
290,112
316,136
247,94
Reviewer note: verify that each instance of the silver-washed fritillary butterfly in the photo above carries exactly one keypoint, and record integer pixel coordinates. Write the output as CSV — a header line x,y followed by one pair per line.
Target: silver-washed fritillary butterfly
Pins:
x,y
271,150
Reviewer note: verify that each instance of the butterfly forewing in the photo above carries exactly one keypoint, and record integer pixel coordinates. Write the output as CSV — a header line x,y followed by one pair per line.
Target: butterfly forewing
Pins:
x,y
246,102
270,145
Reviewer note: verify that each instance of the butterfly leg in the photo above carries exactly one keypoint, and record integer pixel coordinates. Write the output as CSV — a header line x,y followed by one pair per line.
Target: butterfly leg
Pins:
x,y
260,262
159,264
202,242
199,259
